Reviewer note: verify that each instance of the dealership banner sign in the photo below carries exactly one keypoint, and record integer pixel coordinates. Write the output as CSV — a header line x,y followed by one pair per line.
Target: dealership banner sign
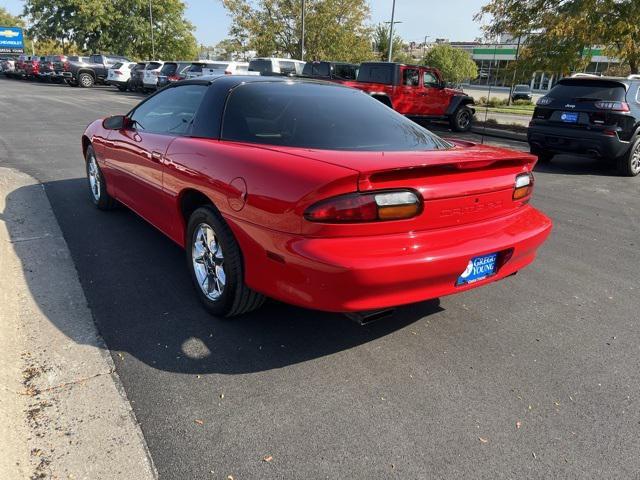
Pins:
x,y
11,40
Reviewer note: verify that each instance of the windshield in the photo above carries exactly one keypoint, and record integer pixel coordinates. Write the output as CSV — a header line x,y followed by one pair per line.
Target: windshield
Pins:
x,y
153,66
522,88
324,117
588,90
262,66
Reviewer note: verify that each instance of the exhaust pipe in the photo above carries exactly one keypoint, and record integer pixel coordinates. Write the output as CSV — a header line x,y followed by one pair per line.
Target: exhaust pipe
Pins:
x,y
365,318
593,153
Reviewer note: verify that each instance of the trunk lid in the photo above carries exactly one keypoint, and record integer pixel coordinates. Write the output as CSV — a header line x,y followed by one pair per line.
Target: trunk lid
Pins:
x,y
465,184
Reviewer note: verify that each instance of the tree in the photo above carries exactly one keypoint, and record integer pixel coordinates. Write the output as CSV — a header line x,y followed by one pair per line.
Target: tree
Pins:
x,y
120,27
455,64
335,29
381,45
559,34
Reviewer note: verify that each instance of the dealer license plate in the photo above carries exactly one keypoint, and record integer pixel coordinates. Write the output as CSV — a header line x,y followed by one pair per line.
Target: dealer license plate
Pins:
x,y
478,269
569,117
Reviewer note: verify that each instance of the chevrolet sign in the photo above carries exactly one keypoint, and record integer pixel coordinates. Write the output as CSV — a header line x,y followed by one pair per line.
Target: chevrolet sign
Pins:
x,y
11,40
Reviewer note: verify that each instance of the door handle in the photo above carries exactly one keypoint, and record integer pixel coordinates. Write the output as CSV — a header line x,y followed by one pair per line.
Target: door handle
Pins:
x,y
156,156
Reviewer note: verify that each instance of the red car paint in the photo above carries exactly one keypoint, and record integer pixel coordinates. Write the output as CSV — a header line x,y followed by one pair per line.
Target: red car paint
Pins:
x,y
262,192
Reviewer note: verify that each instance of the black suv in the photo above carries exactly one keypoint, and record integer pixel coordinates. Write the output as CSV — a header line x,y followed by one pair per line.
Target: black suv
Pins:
x,y
596,116
330,70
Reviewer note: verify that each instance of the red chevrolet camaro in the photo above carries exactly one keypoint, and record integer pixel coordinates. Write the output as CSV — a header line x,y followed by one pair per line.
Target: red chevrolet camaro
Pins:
x,y
314,194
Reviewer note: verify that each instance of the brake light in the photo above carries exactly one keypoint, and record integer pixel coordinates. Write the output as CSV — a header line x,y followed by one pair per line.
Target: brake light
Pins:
x,y
368,207
65,66
612,105
228,72
117,72
523,186
544,101
173,78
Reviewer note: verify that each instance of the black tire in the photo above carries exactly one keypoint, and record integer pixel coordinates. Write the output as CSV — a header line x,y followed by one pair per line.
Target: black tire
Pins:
x,y
98,194
123,88
236,298
544,156
461,120
629,163
86,80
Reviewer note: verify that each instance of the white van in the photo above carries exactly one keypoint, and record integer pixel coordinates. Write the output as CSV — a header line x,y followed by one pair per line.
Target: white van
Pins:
x,y
210,67
276,66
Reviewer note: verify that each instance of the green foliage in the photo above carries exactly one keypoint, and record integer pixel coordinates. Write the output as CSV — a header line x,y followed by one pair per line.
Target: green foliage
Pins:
x,y
335,29
455,64
381,45
120,27
558,34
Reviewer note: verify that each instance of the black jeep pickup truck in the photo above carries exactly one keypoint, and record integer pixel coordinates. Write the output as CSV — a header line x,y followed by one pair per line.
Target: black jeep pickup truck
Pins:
x,y
88,71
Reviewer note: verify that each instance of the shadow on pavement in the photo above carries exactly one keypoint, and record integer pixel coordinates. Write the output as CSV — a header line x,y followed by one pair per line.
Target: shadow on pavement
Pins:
x,y
136,283
578,165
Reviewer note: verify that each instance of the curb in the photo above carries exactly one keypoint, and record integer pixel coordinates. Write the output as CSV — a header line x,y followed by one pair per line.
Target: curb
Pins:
x,y
500,133
69,415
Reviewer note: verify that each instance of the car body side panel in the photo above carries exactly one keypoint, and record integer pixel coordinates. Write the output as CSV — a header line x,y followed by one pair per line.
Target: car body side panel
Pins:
x,y
276,183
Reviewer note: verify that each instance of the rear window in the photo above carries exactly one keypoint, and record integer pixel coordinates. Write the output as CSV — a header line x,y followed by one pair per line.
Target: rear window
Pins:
x,y
262,66
153,66
320,116
117,65
345,72
287,68
312,69
169,68
576,89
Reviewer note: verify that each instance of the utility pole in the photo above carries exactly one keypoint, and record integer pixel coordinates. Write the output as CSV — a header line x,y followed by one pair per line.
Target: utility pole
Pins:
x,y
515,69
424,46
303,33
153,43
393,18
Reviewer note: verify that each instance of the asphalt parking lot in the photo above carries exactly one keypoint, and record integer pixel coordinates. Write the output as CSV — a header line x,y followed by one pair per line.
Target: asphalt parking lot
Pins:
x,y
537,376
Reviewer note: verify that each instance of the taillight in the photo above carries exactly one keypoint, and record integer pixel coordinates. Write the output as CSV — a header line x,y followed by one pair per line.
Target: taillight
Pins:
x,y
65,66
523,186
612,105
173,78
544,101
117,72
228,72
367,207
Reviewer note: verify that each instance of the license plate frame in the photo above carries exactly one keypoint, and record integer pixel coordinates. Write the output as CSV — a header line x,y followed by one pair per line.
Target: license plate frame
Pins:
x,y
569,117
479,268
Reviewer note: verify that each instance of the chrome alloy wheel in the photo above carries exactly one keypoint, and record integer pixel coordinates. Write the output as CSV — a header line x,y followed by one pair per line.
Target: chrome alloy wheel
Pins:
x,y
93,173
208,261
635,160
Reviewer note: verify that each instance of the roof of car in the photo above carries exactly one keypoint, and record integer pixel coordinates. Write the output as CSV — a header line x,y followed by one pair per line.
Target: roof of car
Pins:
x,y
231,81
625,81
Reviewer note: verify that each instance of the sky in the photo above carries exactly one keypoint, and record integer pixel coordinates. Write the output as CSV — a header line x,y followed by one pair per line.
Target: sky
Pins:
x,y
452,19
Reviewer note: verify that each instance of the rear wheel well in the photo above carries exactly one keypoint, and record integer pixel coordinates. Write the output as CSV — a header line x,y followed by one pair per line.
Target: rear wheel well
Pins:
x,y
190,201
85,144
384,99
90,72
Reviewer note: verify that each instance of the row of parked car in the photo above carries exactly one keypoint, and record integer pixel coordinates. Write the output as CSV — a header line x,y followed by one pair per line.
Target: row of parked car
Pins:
x,y
415,91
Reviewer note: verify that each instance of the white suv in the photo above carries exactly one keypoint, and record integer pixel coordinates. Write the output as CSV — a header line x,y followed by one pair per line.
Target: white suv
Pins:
x,y
276,66
120,74
208,67
150,76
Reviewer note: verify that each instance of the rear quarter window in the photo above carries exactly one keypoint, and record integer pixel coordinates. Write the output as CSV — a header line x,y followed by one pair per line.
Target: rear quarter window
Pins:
x,y
376,74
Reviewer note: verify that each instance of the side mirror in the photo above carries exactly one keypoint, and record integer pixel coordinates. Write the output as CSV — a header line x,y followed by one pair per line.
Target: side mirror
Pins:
x,y
116,122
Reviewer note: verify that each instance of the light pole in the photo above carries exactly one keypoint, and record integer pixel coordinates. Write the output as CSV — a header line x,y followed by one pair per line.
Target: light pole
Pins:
x,y
153,44
424,46
302,34
393,17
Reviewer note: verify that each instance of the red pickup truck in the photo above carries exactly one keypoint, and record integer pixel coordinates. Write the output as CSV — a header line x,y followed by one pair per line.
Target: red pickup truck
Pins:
x,y
415,91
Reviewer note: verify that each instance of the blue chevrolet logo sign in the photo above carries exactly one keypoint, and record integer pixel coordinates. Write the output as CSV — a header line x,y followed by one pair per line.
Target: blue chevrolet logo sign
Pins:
x,y
11,40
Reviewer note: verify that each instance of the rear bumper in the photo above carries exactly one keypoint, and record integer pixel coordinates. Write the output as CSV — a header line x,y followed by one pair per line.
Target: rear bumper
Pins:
x,y
567,140
369,273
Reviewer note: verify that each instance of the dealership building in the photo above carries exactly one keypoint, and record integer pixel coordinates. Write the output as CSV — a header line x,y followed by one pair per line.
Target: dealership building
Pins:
x,y
493,60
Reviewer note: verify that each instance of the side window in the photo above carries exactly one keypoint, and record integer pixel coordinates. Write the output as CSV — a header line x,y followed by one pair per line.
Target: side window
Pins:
x,y
411,77
638,94
287,68
95,59
169,112
430,80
